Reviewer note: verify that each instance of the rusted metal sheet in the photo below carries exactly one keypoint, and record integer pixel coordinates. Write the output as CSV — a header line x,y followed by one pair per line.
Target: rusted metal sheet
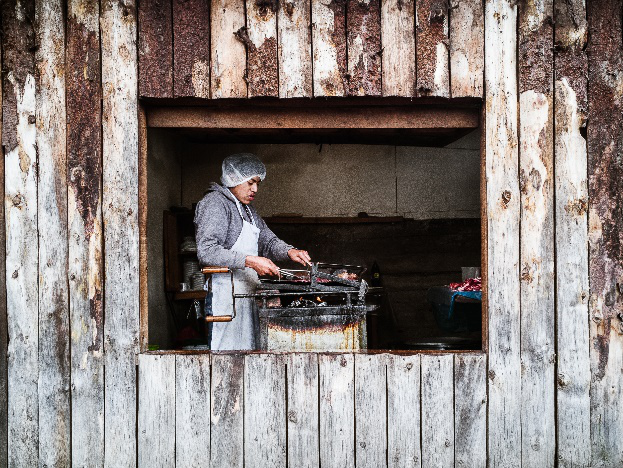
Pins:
x,y
294,41
84,209
364,47
605,220
432,62
155,45
329,47
260,38
191,43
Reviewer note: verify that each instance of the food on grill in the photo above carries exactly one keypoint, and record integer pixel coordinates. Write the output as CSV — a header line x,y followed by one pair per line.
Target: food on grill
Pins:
x,y
347,276
470,284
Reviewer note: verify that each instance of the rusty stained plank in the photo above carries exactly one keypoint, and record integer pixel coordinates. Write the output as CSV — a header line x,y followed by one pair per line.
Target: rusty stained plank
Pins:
x,y
398,53
467,48
536,172
191,48
20,162
4,333
295,53
432,54
227,54
605,228
329,47
364,47
573,359
155,49
84,209
260,39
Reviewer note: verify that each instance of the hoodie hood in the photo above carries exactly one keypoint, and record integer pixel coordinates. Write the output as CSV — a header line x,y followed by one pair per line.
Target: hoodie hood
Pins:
x,y
214,187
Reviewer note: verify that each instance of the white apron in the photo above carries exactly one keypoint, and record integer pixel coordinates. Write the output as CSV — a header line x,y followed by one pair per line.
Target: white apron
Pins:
x,y
241,333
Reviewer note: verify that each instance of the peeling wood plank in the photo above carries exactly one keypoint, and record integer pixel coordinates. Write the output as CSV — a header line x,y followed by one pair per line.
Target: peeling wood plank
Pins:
x,y
503,205
337,400
84,209
432,55
403,411
20,179
227,53
605,228
536,167
295,53
191,43
120,215
260,38
437,410
156,411
302,416
265,411
155,49
470,410
398,56
227,408
192,410
371,410
329,47
573,371
54,368
4,333
467,48
364,47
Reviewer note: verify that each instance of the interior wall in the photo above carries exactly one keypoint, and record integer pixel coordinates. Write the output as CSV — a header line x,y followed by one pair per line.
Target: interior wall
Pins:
x,y
343,180
164,178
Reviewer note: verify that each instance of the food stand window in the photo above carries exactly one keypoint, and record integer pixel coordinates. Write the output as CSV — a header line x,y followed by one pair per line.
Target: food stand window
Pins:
x,y
393,189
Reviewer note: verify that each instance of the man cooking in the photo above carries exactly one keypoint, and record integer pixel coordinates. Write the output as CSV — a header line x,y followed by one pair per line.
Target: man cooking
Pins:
x,y
230,233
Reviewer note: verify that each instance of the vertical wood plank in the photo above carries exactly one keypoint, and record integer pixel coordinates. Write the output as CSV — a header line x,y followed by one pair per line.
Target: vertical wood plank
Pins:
x,y
573,372
54,368
503,294
227,53
329,47
398,57
4,333
337,400
470,410
191,43
295,53
467,48
303,436
155,49
156,411
227,408
371,410
192,410
403,411
20,179
265,410
120,215
364,47
437,410
84,205
536,166
605,221
433,58
260,37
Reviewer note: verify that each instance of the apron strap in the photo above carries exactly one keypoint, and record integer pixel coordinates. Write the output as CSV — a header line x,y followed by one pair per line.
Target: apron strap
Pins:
x,y
240,212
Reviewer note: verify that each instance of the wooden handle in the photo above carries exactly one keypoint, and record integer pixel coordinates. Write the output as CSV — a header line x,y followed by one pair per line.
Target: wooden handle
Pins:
x,y
218,318
210,270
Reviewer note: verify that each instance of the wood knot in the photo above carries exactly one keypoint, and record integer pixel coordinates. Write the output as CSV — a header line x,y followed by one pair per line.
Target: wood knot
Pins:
x,y
343,361
437,14
562,380
506,197
15,274
409,366
289,7
32,119
448,443
491,374
18,200
292,416
597,317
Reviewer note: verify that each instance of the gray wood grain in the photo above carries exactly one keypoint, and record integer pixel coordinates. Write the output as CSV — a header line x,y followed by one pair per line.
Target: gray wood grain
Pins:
x,y
337,400
4,334
371,410
329,47
398,36
467,48
470,410
437,410
192,410
403,411
303,433
295,54
227,408
265,411
156,411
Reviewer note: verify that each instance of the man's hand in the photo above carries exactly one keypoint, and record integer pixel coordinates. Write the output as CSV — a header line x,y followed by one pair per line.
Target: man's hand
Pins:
x,y
300,256
262,265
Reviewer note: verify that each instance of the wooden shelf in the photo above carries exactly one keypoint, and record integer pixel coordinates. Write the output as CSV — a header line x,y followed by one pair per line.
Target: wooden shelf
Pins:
x,y
189,295
332,220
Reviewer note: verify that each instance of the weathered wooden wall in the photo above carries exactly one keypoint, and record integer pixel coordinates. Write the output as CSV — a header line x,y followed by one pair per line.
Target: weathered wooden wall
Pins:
x,y
548,392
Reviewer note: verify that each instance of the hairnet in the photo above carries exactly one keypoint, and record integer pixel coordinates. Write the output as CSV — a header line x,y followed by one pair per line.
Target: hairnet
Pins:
x,y
240,167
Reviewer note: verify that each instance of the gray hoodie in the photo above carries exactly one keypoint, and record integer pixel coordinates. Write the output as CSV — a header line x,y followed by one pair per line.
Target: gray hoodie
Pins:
x,y
218,225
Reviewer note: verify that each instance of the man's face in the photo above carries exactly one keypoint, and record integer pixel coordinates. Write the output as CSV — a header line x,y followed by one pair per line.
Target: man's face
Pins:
x,y
246,191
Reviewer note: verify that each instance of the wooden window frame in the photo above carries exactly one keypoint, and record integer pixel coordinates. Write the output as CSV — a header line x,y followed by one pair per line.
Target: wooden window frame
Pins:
x,y
427,115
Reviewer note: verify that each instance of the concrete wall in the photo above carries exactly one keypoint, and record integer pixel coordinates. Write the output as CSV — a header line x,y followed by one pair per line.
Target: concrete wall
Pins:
x,y
343,180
